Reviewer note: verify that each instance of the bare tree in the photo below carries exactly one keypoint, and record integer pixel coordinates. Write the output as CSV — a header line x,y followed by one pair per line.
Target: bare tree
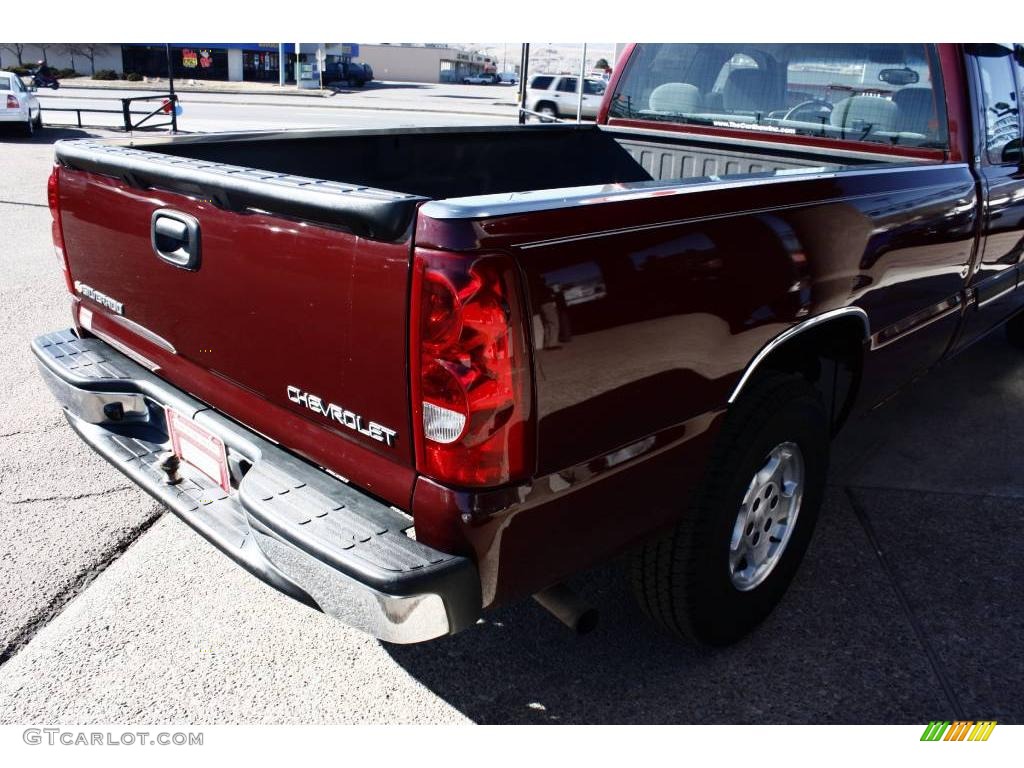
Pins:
x,y
90,51
18,49
70,50
42,48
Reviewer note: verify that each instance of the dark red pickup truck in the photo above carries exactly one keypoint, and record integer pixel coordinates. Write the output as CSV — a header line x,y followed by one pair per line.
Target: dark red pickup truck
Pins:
x,y
407,375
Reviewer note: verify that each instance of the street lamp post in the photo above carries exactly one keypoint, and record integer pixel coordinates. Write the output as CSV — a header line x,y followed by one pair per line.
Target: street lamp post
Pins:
x,y
583,75
170,90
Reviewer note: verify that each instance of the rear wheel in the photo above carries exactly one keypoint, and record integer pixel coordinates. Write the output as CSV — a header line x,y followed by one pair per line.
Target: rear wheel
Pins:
x,y
28,127
728,562
38,122
1015,330
547,110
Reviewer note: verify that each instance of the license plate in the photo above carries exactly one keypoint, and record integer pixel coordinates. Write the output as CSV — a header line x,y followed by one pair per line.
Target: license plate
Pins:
x,y
198,448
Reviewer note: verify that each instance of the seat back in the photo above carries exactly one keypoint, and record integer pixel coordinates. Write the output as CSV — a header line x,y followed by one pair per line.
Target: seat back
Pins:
x,y
746,90
677,98
915,110
858,112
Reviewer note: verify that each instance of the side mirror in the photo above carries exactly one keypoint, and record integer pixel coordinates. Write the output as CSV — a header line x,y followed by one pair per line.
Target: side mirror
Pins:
x,y
32,88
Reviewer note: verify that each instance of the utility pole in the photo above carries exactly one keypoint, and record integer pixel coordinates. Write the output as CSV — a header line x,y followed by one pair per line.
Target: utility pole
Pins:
x,y
583,77
524,63
170,90
280,64
170,69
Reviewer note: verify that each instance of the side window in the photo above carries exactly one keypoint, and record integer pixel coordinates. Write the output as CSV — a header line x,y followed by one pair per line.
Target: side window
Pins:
x,y
1001,104
567,85
18,85
541,82
5,83
593,88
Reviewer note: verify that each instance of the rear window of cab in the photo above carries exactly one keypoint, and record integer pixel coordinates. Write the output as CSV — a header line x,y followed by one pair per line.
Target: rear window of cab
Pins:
x,y
882,93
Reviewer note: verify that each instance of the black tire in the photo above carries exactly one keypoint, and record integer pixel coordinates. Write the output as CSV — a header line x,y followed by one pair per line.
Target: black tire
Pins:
x,y
683,580
548,110
38,122
1015,330
28,128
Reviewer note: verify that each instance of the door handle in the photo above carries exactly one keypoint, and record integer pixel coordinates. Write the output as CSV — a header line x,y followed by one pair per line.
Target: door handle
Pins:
x,y
175,238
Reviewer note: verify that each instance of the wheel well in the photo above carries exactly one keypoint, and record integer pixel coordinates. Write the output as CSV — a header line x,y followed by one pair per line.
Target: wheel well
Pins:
x,y
830,356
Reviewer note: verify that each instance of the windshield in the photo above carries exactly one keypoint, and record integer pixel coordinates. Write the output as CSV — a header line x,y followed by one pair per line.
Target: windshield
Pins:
x,y
885,93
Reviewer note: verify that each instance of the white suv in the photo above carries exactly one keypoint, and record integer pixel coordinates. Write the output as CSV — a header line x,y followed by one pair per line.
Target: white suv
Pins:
x,y
557,95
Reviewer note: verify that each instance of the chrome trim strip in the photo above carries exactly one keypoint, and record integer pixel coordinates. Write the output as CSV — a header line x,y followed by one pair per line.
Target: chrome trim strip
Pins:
x,y
694,219
144,332
142,360
789,333
998,296
505,204
953,305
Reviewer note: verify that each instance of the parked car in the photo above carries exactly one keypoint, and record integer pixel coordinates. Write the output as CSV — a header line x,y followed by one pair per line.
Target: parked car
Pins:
x,y
511,78
18,104
481,79
554,96
345,72
452,367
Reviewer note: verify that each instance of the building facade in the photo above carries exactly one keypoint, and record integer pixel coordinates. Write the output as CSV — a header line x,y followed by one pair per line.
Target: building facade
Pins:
x,y
259,62
424,63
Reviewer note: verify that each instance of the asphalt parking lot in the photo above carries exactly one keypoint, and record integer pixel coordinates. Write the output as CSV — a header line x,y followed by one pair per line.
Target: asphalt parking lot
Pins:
x,y
908,608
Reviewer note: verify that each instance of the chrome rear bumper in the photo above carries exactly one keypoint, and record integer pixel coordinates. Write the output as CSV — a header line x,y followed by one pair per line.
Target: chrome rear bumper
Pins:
x,y
289,523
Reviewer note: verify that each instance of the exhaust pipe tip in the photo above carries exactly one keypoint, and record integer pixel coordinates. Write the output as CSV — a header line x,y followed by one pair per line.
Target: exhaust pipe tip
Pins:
x,y
569,608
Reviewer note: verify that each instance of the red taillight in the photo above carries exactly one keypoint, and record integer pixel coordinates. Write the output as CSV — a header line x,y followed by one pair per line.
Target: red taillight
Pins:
x,y
12,102
56,230
470,370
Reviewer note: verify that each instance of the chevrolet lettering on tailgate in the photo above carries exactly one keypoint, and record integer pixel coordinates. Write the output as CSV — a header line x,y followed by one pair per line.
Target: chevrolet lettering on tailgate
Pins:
x,y
344,417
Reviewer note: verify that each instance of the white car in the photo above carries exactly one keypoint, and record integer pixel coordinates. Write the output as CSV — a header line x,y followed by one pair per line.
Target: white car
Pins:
x,y
482,79
18,104
556,96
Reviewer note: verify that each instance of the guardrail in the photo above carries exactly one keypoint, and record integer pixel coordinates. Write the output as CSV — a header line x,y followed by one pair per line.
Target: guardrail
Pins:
x,y
168,106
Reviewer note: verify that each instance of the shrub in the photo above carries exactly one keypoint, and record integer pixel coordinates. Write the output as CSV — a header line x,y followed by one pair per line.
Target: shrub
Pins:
x,y
23,71
134,77
65,73
105,74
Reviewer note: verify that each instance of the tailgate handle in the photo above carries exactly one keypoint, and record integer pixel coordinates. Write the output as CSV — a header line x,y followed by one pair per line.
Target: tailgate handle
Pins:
x,y
175,238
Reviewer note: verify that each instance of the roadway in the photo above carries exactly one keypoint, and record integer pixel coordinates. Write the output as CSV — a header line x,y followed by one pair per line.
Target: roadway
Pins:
x,y
383,105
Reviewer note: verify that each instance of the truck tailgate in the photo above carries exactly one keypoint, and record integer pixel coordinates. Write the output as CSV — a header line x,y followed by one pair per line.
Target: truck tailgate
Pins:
x,y
275,317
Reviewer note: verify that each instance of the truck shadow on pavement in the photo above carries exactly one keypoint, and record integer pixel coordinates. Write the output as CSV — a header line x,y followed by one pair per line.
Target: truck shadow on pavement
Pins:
x,y
907,608
46,135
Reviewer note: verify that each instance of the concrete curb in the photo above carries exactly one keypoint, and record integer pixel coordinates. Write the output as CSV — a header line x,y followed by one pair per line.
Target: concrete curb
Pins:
x,y
129,85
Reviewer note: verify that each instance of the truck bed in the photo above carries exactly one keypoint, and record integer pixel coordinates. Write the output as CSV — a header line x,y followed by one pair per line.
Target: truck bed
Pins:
x,y
372,181
294,318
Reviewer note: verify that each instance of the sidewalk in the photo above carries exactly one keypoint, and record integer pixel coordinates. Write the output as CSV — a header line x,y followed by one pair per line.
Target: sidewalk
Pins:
x,y
199,86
